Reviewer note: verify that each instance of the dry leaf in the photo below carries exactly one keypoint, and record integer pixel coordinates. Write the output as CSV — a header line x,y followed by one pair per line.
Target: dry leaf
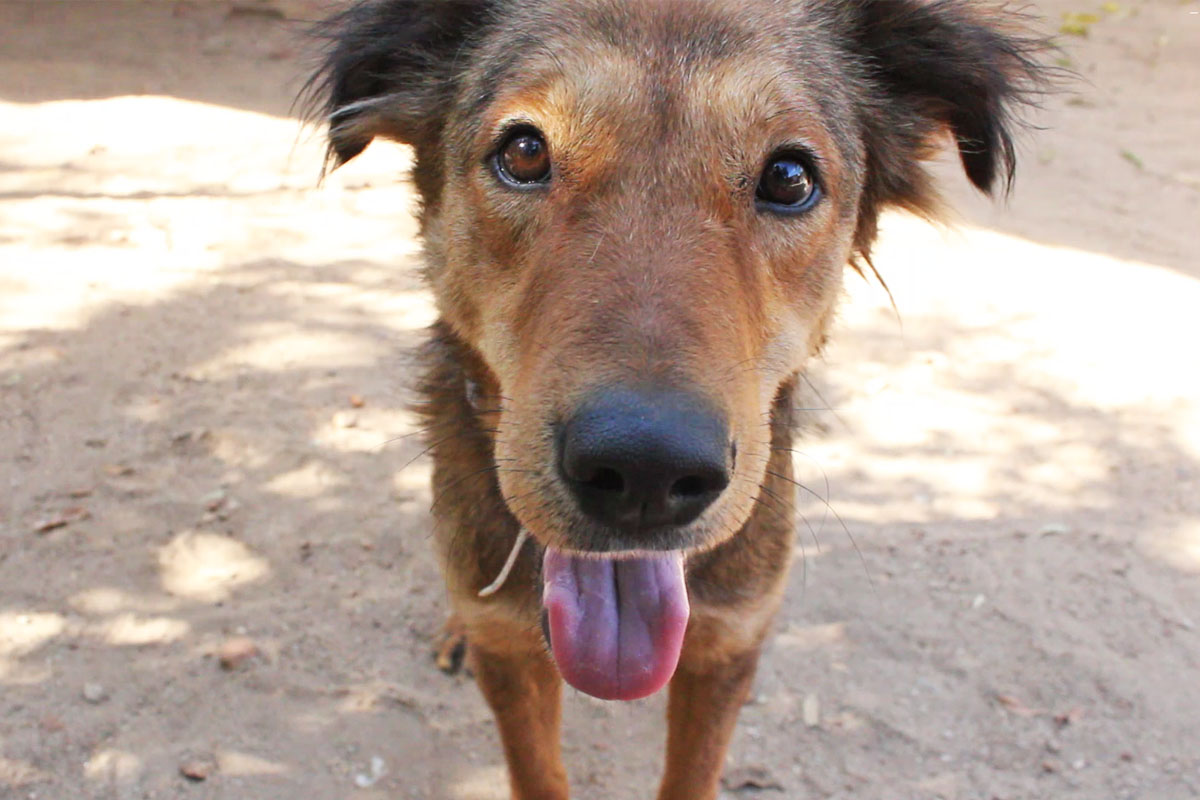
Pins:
x,y
1017,707
61,519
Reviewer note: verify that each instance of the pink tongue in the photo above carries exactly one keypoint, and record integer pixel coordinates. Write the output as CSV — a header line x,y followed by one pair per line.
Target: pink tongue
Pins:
x,y
616,625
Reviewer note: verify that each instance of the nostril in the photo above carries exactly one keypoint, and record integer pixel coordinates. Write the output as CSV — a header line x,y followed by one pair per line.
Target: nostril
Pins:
x,y
701,486
689,486
605,479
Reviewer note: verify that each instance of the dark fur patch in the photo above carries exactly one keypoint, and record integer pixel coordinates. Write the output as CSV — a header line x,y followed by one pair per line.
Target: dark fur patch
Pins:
x,y
929,66
388,70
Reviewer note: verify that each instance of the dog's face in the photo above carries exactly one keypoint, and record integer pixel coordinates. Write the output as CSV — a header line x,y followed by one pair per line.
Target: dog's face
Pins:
x,y
638,212
642,234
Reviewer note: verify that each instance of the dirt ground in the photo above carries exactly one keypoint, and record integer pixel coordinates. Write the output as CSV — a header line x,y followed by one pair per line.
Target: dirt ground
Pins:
x,y
204,365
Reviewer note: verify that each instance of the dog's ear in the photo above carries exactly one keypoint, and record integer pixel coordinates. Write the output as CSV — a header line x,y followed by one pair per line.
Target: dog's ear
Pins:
x,y
935,65
389,70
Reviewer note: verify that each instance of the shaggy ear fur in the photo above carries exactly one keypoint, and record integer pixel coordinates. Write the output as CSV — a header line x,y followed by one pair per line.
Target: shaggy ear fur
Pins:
x,y
935,65
389,70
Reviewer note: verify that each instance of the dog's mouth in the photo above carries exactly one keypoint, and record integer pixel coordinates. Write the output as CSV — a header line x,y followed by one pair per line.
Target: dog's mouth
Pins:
x,y
615,625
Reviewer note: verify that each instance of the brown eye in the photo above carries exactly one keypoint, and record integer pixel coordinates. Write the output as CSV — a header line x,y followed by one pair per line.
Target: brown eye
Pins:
x,y
524,158
788,184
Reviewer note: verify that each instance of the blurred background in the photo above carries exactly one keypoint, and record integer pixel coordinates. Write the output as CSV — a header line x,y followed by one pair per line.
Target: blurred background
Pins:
x,y
215,574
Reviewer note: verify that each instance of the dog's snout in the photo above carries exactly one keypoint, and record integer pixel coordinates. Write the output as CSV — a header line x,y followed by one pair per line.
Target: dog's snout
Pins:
x,y
638,459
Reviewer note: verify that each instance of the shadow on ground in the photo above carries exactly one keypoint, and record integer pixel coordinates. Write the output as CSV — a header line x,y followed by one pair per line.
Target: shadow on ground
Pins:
x,y
218,480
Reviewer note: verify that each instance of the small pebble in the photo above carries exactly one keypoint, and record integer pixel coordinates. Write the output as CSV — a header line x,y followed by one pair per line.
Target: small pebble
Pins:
x,y
751,779
367,780
236,652
198,768
811,709
94,693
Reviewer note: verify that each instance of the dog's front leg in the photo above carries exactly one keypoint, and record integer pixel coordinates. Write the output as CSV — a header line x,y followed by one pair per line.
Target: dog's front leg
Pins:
x,y
701,715
723,642
524,691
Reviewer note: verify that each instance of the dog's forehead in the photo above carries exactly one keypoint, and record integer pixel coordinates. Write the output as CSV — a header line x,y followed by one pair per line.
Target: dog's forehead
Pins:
x,y
683,31
653,68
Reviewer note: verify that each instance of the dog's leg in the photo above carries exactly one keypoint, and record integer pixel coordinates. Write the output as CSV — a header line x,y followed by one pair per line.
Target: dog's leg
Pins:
x,y
524,692
702,712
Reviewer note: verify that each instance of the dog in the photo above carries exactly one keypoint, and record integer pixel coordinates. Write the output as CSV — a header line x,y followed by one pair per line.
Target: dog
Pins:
x,y
636,217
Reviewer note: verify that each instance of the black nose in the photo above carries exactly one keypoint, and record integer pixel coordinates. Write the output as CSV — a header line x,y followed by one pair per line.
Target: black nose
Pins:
x,y
645,458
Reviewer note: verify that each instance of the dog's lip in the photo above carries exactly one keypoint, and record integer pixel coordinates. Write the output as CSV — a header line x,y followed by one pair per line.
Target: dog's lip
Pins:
x,y
595,541
627,554
619,555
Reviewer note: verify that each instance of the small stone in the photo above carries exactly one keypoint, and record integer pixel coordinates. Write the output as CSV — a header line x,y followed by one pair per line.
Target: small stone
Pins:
x,y
215,499
368,779
751,778
1065,718
357,400
236,652
345,419
811,710
94,693
198,768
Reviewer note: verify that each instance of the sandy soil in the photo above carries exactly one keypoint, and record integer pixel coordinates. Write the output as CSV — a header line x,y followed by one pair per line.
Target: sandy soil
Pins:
x,y
204,361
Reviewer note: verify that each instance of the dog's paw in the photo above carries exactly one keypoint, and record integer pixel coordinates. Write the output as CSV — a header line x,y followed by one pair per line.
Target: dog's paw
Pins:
x,y
450,649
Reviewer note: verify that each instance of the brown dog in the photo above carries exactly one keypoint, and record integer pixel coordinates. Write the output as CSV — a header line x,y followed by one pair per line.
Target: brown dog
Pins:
x,y
636,217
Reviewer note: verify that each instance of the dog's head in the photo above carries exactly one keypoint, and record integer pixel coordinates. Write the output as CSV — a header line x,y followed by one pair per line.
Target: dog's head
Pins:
x,y
638,212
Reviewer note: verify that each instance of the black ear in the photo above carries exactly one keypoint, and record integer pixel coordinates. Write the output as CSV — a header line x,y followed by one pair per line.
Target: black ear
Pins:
x,y
933,65
389,70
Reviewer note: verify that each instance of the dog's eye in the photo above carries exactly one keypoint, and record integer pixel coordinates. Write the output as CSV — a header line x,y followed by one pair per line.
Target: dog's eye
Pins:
x,y
788,184
524,158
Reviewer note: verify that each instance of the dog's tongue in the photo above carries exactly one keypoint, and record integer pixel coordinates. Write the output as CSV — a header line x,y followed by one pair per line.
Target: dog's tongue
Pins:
x,y
616,625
